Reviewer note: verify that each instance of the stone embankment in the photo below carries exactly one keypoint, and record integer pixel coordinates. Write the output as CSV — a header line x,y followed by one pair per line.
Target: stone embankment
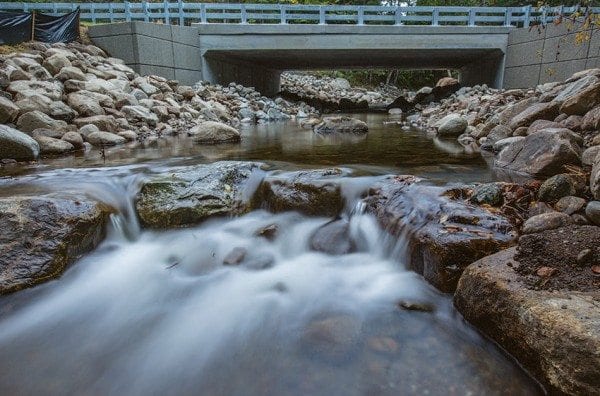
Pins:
x,y
335,94
56,99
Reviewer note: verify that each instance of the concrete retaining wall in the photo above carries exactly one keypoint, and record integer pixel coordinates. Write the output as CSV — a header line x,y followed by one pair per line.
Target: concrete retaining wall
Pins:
x,y
169,51
538,56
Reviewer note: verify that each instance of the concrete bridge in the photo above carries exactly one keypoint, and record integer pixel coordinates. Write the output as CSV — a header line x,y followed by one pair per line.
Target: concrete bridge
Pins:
x,y
253,44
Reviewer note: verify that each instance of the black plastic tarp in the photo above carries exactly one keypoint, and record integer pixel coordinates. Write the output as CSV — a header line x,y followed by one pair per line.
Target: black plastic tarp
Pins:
x,y
56,29
15,27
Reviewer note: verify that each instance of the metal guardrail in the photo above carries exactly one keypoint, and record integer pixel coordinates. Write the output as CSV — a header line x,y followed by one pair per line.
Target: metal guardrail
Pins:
x,y
181,13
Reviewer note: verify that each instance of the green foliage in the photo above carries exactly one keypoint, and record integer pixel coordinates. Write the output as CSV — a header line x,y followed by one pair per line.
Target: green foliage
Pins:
x,y
410,79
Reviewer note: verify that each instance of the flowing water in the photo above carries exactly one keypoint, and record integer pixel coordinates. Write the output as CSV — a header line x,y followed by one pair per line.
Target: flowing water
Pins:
x,y
157,313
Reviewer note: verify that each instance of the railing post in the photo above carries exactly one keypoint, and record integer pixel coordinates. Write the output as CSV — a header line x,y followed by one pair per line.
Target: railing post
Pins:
x,y
203,13
544,14
507,16
127,11
527,16
398,16
243,17
166,10
435,16
145,9
321,15
111,12
361,15
93,9
283,20
471,17
55,8
181,17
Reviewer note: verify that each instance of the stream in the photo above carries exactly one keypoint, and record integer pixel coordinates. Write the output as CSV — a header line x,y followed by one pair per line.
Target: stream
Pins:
x,y
157,312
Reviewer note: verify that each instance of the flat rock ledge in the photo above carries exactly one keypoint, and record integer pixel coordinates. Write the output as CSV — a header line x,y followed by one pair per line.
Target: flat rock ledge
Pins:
x,y
42,235
188,195
555,335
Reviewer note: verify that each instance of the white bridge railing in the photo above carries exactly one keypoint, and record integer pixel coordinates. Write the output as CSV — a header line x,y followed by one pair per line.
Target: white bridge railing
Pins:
x,y
182,13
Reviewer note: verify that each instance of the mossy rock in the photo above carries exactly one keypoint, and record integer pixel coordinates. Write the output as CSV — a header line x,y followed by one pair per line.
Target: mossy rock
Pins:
x,y
189,195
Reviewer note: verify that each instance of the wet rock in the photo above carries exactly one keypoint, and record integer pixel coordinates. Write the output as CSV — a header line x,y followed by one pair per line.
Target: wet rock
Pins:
x,y
17,145
235,257
341,125
43,234
416,306
444,234
52,146
102,139
556,187
555,335
542,154
269,232
592,212
570,204
313,192
451,125
192,194
212,132
333,238
47,133
488,194
546,221
538,111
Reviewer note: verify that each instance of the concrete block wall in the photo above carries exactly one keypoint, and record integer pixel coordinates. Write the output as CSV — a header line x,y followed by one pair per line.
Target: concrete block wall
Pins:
x,y
540,55
169,51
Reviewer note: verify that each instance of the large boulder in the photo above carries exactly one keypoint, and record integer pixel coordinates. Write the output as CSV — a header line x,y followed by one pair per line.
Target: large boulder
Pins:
x,y
542,154
36,119
189,195
312,192
452,125
554,334
538,111
24,88
212,132
583,101
41,235
341,125
442,233
17,145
